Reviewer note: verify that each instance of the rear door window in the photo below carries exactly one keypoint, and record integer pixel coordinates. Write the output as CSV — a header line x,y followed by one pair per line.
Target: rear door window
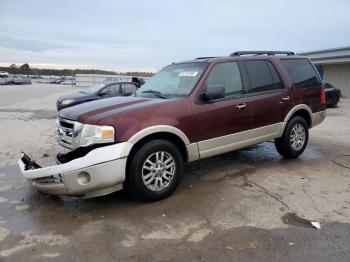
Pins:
x,y
112,90
228,75
128,88
301,72
262,76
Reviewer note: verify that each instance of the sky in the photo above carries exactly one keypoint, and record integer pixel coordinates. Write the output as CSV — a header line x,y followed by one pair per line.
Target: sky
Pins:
x,y
147,35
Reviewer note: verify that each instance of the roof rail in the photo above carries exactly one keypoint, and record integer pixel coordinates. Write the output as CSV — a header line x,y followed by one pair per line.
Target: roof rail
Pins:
x,y
206,57
238,53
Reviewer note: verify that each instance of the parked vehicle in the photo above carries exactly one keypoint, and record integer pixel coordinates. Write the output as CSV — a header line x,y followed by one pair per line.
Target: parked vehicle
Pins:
x,y
187,111
333,95
68,82
98,91
4,74
16,80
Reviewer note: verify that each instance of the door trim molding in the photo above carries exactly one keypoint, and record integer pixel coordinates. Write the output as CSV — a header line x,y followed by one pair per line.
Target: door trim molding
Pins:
x,y
223,144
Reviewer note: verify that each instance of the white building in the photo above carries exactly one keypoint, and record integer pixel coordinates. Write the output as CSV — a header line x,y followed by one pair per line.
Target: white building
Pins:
x,y
333,66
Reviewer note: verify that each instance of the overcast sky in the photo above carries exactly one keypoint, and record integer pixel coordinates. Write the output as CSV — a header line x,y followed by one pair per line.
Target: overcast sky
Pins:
x,y
146,35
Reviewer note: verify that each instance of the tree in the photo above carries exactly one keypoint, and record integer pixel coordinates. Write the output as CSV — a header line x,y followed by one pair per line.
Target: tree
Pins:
x,y
25,69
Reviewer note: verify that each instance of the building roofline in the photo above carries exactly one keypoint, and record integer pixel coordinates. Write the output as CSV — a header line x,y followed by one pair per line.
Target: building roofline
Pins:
x,y
325,50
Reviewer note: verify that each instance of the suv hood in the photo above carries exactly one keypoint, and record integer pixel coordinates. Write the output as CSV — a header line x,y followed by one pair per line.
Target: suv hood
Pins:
x,y
94,111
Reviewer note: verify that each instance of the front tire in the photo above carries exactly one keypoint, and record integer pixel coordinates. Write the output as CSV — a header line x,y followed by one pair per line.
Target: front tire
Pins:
x,y
155,170
295,138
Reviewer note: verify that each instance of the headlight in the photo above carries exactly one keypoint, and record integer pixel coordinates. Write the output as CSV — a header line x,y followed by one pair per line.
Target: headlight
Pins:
x,y
67,102
91,134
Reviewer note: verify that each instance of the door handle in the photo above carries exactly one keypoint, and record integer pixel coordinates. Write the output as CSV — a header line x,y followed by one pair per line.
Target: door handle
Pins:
x,y
284,99
241,106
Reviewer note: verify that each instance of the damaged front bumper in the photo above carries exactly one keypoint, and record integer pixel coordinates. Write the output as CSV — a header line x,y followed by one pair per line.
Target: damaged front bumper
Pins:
x,y
98,172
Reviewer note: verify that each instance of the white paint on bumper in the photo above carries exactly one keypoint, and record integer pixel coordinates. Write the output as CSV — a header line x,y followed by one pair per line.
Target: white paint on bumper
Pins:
x,y
105,167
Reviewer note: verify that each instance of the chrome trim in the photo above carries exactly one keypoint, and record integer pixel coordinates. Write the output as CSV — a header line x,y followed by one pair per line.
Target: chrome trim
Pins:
x,y
68,137
241,106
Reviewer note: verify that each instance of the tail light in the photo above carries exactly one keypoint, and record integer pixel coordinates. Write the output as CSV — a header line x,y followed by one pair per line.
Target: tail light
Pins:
x,y
322,96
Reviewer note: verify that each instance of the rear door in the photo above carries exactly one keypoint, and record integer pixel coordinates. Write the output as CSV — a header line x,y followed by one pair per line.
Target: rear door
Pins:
x,y
128,89
111,90
271,100
306,82
220,125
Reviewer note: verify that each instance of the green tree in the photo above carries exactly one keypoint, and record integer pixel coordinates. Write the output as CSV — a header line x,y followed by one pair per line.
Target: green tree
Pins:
x,y
25,69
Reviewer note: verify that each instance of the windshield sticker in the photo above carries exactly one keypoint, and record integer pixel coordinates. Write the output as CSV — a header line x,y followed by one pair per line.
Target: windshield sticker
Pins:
x,y
189,73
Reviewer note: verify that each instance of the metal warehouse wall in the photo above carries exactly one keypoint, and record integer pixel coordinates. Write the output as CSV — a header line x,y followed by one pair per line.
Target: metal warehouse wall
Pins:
x,y
339,76
86,80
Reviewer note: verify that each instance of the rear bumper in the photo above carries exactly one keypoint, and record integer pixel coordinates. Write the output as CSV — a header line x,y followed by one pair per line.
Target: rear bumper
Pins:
x,y
100,172
317,118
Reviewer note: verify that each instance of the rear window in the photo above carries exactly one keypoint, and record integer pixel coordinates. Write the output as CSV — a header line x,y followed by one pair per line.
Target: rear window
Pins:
x,y
301,72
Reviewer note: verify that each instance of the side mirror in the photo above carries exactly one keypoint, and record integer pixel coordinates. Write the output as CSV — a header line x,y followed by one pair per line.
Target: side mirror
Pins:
x,y
213,92
102,93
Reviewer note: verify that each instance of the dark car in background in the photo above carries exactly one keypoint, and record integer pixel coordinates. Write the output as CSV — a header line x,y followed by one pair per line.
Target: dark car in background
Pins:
x,y
333,95
98,91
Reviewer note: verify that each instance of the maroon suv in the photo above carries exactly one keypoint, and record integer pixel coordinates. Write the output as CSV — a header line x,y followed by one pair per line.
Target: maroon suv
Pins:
x,y
187,111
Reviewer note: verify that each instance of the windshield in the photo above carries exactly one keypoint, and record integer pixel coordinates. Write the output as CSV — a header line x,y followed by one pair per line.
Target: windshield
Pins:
x,y
93,89
173,81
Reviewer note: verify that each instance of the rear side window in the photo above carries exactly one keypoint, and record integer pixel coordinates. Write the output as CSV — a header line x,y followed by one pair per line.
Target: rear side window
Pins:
x,y
301,72
228,75
128,88
262,76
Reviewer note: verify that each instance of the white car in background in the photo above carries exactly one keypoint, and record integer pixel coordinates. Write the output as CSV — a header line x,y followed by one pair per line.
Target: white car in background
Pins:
x,y
4,74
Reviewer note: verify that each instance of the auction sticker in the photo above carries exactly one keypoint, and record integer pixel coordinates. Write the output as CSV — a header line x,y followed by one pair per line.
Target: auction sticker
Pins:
x,y
189,73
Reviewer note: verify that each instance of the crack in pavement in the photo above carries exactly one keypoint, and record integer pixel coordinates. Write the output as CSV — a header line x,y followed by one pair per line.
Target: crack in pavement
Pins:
x,y
265,191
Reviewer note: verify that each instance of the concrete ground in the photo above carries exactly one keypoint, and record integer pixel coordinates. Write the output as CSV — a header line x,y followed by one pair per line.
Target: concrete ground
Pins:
x,y
248,205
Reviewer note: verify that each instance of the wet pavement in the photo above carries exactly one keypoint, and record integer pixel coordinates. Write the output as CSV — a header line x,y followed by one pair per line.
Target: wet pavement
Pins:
x,y
248,205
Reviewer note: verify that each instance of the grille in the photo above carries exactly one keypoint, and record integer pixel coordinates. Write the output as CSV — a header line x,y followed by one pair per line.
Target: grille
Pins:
x,y
66,132
57,179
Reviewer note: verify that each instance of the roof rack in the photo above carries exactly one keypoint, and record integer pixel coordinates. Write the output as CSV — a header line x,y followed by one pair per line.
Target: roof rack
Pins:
x,y
206,57
238,53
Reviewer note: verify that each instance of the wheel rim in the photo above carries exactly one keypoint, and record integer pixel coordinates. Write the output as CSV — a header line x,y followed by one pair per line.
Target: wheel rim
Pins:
x,y
158,170
297,137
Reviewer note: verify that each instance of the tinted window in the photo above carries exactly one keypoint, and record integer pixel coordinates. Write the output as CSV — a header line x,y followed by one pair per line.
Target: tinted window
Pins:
x,y
301,72
262,76
228,75
275,76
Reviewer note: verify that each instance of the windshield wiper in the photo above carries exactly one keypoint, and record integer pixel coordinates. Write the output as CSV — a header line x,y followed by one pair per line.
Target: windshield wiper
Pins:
x,y
154,92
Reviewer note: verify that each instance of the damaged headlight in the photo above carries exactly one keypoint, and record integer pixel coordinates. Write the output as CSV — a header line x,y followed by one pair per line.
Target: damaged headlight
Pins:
x,y
91,134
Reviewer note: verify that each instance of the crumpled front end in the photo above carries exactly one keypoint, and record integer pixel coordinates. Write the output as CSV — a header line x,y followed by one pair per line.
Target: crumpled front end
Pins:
x,y
98,172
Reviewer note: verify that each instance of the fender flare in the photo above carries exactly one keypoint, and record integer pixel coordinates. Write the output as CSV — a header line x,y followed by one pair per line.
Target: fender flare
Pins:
x,y
291,113
159,129
192,149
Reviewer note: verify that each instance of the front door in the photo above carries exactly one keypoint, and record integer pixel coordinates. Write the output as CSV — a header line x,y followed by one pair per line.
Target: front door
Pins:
x,y
224,124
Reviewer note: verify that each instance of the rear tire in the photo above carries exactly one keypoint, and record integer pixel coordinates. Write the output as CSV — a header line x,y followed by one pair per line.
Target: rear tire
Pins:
x,y
295,138
335,101
155,170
